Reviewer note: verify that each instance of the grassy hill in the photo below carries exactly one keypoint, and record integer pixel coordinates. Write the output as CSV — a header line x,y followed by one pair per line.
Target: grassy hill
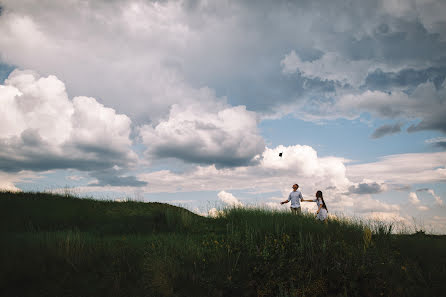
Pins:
x,y
54,245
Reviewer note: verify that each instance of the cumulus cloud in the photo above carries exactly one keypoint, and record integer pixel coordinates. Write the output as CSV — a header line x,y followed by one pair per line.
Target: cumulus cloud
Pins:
x,y
215,134
229,199
386,130
413,198
366,188
303,162
8,180
42,129
438,200
299,164
213,212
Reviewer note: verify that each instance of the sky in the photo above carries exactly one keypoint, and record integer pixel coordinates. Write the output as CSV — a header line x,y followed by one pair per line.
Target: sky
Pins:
x,y
190,102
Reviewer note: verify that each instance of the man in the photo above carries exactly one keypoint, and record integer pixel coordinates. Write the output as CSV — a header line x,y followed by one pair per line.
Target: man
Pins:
x,y
295,197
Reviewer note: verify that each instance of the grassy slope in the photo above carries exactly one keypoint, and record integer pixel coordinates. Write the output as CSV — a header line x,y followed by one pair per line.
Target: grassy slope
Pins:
x,y
64,246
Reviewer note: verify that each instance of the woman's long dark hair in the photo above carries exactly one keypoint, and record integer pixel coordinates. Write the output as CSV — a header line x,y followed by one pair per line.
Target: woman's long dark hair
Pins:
x,y
319,195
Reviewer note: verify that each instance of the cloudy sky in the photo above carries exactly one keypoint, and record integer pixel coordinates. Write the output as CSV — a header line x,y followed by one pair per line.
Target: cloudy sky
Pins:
x,y
190,102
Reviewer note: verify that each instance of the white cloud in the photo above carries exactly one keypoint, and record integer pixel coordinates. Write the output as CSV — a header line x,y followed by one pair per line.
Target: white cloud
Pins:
x,y
362,204
413,198
302,165
367,187
229,199
413,168
435,140
438,200
8,181
377,103
214,134
33,102
9,187
41,128
299,164
213,212
425,103
303,162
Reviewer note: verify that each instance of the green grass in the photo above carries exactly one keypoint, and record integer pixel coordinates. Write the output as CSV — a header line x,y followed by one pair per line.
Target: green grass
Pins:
x,y
54,245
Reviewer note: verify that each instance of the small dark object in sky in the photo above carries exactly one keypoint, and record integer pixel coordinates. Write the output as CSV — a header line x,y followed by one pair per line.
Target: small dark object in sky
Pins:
x,y
280,155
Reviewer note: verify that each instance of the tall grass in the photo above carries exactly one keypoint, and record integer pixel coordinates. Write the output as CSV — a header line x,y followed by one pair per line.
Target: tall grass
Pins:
x,y
62,246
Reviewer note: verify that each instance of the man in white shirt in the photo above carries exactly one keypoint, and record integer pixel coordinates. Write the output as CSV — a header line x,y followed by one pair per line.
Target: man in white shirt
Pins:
x,y
295,197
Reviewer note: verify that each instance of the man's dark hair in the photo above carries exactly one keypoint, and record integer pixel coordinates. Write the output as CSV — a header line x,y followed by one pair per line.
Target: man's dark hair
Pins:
x,y
296,185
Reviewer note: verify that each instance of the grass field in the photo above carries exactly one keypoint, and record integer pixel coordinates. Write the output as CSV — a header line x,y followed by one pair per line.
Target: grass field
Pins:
x,y
65,246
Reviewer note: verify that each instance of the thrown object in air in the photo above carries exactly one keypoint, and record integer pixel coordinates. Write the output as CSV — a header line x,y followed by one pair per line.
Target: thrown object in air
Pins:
x,y
280,155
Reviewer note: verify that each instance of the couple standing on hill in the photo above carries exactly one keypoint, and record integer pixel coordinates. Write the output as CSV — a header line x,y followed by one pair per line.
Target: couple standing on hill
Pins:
x,y
296,197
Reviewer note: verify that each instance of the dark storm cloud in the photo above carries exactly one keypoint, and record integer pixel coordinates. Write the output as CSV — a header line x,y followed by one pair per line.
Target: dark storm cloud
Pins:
x,y
365,188
386,130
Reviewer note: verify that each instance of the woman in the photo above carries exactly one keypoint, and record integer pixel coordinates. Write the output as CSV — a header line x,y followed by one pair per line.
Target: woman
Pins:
x,y
322,211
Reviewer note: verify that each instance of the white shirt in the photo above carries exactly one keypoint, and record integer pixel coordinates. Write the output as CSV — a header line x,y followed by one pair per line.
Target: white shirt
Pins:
x,y
295,198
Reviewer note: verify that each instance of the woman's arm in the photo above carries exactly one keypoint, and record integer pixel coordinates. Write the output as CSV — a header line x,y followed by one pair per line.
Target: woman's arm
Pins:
x,y
320,206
